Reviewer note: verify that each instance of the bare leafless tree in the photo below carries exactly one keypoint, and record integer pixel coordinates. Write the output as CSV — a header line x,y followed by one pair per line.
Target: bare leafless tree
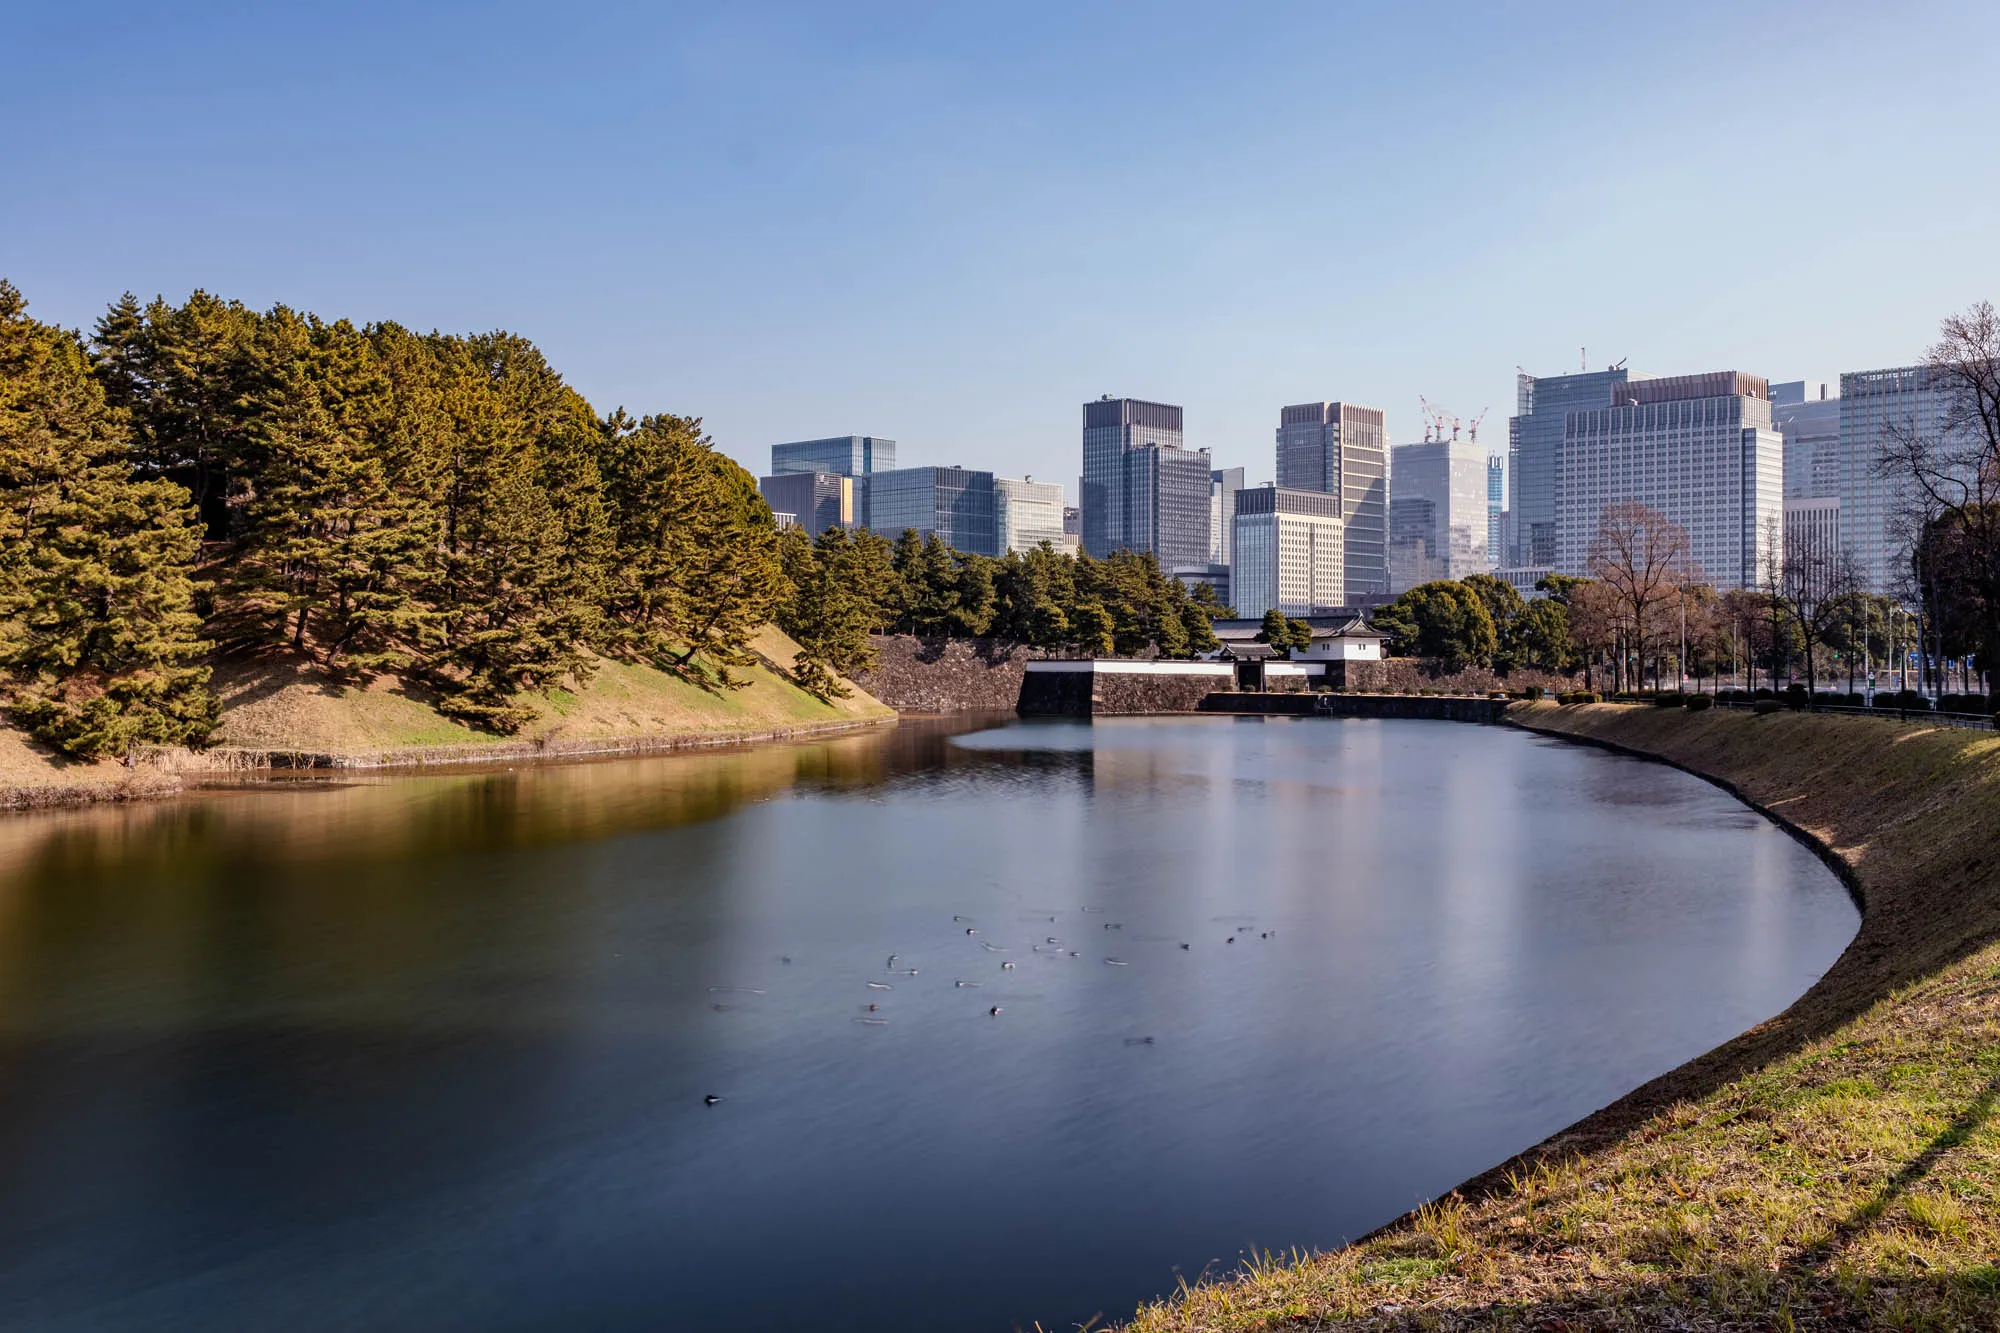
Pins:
x,y
1948,468
1817,587
1643,558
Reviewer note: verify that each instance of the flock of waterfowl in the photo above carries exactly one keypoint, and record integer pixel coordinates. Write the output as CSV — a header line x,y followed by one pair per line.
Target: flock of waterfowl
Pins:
x,y
1050,946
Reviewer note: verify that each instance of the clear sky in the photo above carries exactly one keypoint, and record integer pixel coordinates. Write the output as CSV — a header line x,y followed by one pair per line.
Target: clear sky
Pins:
x,y
951,225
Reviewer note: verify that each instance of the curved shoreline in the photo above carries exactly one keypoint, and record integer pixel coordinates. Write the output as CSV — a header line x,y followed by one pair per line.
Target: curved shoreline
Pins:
x,y
1908,818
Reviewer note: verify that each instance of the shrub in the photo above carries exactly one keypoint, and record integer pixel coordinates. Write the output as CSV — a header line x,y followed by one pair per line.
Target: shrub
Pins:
x,y
1669,699
1577,697
1764,707
1534,693
1697,702
1763,692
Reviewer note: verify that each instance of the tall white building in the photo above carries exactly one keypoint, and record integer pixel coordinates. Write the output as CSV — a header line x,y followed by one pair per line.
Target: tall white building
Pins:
x,y
1438,512
1289,552
1026,513
1699,449
1812,528
1876,408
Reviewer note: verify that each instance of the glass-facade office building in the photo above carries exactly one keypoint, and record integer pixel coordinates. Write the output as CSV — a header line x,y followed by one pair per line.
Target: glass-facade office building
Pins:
x,y
815,500
842,455
1342,449
1143,489
1447,481
1535,455
1496,506
1223,483
1876,407
1807,415
955,503
1166,504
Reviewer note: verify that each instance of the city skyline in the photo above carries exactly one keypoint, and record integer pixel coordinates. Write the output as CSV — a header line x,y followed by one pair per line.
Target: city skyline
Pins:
x,y
760,234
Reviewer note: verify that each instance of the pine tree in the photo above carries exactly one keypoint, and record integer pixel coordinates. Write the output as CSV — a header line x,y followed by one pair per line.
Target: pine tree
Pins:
x,y
973,599
513,585
184,373
828,610
97,634
695,570
333,554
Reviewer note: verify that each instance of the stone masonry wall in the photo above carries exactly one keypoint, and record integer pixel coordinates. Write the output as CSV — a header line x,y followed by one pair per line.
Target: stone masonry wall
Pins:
x,y
944,675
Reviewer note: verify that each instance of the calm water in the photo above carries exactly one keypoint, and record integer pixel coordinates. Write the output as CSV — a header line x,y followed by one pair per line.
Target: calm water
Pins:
x,y
432,1053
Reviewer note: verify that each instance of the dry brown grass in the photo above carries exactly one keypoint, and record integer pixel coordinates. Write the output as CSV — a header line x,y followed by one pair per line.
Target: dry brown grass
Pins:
x,y
283,707
34,777
280,707
1835,1168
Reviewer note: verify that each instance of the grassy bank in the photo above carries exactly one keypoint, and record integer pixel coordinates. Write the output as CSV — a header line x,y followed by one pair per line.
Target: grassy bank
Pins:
x,y
1837,1167
279,710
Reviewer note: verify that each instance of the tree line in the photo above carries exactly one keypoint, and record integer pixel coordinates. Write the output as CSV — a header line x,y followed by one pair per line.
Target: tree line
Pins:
x,y
849,585
202,479
1649,613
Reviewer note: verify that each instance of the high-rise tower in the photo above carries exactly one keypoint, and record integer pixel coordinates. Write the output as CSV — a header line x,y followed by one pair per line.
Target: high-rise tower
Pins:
x,y
1342,449
1143,490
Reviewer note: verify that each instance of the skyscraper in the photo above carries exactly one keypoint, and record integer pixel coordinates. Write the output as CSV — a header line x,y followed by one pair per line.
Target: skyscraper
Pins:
x,y
1439,512
1223,483
1142,489
1878,408
1807,415
1341,449
842,455
1288,552
1496,507
1698,449
955,503
1535,456
1166,503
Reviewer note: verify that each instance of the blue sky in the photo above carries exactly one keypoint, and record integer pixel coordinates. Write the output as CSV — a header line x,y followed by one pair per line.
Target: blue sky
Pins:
x,y
951,226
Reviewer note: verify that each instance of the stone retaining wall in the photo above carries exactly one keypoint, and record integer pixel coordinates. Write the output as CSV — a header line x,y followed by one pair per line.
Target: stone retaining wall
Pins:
x,y
1119,689
1453,709
916,675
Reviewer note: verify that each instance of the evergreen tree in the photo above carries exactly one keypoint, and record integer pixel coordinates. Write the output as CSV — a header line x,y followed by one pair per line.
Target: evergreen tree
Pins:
x,y
829,609
185,374
973,597
695,567
1090,628
333,553
97,634
511,584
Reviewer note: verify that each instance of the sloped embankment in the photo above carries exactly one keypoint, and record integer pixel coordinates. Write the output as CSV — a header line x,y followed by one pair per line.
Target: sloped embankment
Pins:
x,y
1836,1167
278,713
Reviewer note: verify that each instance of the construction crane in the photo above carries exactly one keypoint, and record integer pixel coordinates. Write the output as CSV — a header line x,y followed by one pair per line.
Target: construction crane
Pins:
x,y
1472,431
1435,420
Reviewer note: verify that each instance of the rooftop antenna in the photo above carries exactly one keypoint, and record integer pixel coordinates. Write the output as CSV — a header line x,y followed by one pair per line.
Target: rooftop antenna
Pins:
x,y
1583,358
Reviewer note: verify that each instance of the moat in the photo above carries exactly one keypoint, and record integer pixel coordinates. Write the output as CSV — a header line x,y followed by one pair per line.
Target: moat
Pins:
x,y
438,1051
